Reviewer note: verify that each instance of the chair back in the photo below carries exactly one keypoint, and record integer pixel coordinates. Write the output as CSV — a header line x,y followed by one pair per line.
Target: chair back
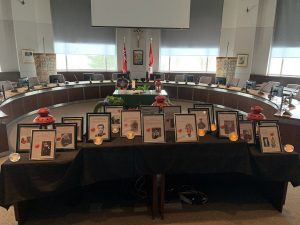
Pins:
x,y
98,77
180,78
205,80
88,76
33,81
220,80
189,78
156,76
233,82
57,77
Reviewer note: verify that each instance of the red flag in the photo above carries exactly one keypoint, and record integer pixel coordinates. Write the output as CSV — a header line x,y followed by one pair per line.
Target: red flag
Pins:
x,y
124,66
151,60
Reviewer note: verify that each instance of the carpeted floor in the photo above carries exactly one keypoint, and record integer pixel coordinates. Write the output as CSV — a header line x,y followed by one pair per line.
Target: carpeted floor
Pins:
x,y
256,212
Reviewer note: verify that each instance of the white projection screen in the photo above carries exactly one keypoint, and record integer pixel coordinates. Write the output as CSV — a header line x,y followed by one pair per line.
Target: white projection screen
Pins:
x,y
141,13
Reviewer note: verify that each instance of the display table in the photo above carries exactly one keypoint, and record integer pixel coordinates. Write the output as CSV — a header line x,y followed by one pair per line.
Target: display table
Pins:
x,y
122,158
136,98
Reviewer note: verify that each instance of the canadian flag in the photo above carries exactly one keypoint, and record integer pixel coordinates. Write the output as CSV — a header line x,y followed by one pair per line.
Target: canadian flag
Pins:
x,y
151,61
124,65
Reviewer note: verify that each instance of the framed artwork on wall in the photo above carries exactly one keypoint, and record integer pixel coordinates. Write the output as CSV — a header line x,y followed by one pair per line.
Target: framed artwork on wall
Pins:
x,y
27,56
138,57
242,60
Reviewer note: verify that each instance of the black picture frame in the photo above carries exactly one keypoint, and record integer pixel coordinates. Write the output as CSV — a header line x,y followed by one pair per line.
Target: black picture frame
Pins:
x,y
115,112
138,57
228,127
98,123
191,110
169,112
79,122
25,139
209,106
155,131
190,127
268,122
149,109
42,140
244,134
264,139
66,138
137,122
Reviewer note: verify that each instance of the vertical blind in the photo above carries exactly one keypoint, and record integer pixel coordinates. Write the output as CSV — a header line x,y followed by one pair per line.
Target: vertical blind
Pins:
x,y
73,33
203,37
286,41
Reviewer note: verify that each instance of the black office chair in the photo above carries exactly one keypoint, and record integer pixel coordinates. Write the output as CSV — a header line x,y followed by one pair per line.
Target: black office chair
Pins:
x,y
189,78
88,76
99,77
251,84
180,78
23,82
221,80
57,78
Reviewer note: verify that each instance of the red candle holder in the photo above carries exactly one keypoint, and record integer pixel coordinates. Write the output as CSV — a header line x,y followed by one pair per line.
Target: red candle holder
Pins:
x,y
43,118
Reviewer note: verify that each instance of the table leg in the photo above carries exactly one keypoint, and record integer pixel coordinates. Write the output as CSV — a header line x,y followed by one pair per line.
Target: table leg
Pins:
x,y
19,213
154,196
162,196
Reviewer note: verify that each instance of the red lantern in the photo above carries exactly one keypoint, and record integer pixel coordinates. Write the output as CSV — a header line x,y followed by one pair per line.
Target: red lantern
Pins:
x,y
44,118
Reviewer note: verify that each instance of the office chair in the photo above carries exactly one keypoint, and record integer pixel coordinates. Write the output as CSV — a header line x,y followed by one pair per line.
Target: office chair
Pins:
x,y
205,80
267,87
99,77
189,78
156,76
88,76
23,82
33,81
57,78
221,80
250,84
180,78
233,82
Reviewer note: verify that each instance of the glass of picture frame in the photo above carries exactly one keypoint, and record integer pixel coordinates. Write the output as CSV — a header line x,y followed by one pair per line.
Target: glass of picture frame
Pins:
x,y
98,125
79,122
131,121
227,123
185,128
269,137
24,132
205,106
202,118
169,112
149,109
154,128
268,122
247,131
115,111
42,145
66,136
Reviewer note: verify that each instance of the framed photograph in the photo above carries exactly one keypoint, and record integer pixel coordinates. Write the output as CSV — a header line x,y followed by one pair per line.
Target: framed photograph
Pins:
x,y
169,112
227,122
98,125
148,109
42,145
154,128
269,138
66,136
247,131
202,118
242,60
131,121
268,122
79,122
24,132
138,57
205,106
27,56
185,128
115,112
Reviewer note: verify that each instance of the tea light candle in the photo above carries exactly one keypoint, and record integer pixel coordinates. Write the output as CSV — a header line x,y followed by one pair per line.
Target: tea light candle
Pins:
x,y
213,127
14,157
233,136
289,148
130,135
115,129
201,132
98,141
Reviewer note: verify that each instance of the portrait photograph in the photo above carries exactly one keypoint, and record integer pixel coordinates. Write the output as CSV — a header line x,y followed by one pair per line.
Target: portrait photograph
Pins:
x,y
153,128
247,131
269,137
98,125
185,128
210,108
131,121
227,123
24,136
66,134
79,122
43,145
115,112
138,57
169,112
202,118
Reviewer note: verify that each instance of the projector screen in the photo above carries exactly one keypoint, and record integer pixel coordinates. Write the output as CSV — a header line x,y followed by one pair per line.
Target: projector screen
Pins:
x,y
141,13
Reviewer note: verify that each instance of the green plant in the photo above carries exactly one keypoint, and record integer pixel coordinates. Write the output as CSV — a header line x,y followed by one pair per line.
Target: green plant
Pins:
x,y
112,100
144,87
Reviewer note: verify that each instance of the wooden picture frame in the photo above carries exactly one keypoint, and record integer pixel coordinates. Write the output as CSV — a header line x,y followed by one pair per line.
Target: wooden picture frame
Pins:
x,y
154,128
27,56
131,121
149,109
185,128
269,138
66,136
247,131
169,112
227,123
24,136
209,106
138,57
42,145
98,125
79,122
242,60
202,118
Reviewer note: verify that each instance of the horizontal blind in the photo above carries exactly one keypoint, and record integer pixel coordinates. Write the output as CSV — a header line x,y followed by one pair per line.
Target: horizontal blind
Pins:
x,y
73,32
203,37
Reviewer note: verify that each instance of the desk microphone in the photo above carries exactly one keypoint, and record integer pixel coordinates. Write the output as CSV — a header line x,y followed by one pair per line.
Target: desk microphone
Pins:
x,y
3,91
76,80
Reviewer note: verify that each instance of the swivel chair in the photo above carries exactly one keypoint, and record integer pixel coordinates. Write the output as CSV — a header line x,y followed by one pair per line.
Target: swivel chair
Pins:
x,y
205,80
57,78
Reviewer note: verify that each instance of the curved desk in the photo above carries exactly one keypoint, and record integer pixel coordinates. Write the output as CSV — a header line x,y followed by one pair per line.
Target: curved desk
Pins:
x,y
23,102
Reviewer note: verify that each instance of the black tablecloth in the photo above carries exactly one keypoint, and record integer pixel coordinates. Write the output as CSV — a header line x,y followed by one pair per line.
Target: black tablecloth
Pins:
x,y
122,158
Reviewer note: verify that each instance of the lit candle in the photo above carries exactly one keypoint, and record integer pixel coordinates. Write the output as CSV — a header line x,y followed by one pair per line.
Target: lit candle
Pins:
x,y
115,129
14,157
130,135
201,132
289,148
213,127
98,141
233,136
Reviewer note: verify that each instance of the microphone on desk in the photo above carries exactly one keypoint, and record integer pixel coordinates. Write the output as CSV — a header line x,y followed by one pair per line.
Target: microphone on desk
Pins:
x,y
76,80
3,91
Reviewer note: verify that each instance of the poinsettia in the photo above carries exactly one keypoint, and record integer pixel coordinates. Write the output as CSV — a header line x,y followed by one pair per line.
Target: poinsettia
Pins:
x,y
148,129
93,129
37,146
